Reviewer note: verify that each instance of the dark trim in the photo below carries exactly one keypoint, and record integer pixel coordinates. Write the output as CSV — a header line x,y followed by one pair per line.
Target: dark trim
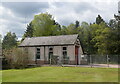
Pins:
x,y
46,45
76,39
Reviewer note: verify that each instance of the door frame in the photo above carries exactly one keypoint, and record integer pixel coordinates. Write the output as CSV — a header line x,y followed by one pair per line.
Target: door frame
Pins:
x,y
76,55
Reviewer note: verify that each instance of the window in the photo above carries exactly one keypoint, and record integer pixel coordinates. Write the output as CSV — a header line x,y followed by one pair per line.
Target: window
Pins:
x,y
64,48
64,52
38,53
50,49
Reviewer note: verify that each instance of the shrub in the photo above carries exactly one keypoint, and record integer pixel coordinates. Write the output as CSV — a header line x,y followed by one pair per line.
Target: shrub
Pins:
x,y
17,58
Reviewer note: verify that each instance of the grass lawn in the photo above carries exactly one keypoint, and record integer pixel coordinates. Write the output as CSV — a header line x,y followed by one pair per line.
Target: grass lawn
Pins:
x,y
61,74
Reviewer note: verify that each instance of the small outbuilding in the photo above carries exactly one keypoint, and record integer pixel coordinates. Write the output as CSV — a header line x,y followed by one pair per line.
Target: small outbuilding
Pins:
x,y
41,50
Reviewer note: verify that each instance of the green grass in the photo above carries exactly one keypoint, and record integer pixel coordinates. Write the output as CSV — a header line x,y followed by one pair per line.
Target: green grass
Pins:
x,y
61,74
0,76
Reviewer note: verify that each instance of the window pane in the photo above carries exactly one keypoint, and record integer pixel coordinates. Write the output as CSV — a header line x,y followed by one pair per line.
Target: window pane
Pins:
x,y
50,49
38,49
64,48
64,54
38,56
38,53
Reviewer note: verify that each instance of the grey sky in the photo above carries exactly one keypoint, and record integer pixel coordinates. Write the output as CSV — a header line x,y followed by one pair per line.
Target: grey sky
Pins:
x,y
14,16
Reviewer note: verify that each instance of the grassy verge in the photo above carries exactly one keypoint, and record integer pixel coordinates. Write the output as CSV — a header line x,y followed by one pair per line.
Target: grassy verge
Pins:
x,y
61,74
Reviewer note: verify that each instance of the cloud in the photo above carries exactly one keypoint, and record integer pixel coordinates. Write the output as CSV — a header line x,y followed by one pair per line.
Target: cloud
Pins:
x,y
14,16
67,12
23,9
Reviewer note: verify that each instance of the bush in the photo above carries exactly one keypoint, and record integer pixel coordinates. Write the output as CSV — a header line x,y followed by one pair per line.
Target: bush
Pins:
x,y
17,58
5,64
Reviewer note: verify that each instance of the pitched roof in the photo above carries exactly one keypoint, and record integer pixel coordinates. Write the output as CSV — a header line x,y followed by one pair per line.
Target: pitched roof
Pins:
x,y
49,40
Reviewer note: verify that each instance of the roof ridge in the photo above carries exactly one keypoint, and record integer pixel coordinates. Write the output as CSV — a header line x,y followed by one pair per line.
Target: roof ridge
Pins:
x,y
53,36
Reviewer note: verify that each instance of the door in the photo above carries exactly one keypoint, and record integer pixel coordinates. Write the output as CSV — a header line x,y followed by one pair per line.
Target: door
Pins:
x,y
76,54
50,56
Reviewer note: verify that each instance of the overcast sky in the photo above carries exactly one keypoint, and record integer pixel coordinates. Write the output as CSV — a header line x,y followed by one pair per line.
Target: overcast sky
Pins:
x,y
14,16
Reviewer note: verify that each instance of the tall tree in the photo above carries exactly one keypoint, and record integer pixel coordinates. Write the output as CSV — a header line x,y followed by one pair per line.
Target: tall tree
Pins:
x,y
113,24
99,19
85,37
64,30
117,40
45,25
9,41
29,30
77,24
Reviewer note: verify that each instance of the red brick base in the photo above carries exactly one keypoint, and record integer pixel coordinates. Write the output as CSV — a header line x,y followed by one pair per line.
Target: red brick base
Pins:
x,y
42,62
38,62
72,63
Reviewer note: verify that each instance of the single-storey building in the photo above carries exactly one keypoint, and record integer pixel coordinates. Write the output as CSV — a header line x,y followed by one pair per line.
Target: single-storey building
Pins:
x,y
41,49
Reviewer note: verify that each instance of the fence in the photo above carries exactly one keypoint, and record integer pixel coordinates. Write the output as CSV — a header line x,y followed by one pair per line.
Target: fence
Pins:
x,y
102,60
89,60
56,60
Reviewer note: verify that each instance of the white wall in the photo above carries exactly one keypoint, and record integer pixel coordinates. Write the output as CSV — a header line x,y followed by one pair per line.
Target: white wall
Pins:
x,y
71,52
31,53
57,50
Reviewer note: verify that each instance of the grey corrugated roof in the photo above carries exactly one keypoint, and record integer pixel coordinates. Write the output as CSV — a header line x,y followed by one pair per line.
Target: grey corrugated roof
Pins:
x,y
50,40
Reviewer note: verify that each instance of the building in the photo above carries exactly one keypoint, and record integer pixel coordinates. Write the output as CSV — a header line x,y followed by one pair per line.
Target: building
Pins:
x,y
41,49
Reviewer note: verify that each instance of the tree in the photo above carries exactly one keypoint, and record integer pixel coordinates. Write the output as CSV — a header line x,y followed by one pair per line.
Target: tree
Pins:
x,y
85,37
45,25
9,41
71,29
64,30
29,30
77,24
102,40
113,24
117,33
99,19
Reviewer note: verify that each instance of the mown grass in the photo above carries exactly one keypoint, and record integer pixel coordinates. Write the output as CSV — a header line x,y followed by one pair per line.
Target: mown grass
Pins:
x,y
0,76
61,74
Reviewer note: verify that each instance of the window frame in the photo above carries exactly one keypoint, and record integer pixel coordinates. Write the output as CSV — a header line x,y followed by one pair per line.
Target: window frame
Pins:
x,y
38,53
64,51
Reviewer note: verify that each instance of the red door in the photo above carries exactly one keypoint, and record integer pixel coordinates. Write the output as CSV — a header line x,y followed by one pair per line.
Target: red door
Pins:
x,y
76,54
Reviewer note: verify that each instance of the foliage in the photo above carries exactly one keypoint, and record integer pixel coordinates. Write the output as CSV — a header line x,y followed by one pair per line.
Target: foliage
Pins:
x,y
96,38
117,34
77,24
99,19
45,25
28,32
16,58
20,58
9,41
